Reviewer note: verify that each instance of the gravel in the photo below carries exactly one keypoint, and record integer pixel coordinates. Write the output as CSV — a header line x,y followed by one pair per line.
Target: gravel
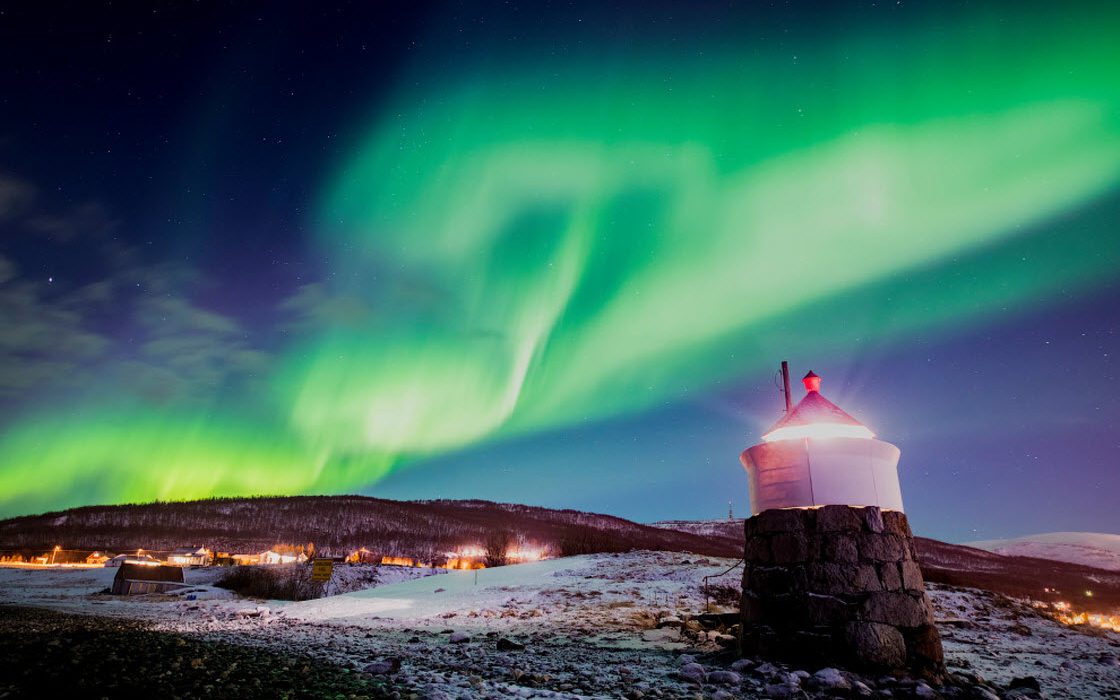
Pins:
x,y
51,654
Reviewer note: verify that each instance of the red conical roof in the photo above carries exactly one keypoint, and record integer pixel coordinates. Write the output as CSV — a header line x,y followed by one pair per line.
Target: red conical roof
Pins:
x,y
826,418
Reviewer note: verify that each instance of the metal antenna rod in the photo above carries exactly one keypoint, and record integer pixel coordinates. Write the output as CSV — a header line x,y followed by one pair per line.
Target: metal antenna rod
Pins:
x,y
785,385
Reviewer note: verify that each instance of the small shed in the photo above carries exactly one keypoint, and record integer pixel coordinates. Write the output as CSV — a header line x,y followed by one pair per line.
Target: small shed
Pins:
x,y
134,579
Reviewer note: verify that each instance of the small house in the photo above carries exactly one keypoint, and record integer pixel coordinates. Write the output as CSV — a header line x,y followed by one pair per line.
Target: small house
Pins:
x,y
97,558
136,579
120,559
274,557
190,556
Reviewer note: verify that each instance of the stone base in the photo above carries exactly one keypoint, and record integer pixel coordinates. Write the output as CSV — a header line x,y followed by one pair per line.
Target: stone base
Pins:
x,y
837,585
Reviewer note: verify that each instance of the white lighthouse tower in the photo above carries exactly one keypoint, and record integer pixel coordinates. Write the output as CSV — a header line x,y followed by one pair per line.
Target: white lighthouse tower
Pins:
x,y
819,455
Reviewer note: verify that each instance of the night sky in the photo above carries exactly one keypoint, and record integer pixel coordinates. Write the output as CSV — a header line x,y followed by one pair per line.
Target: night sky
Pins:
x,y
553,254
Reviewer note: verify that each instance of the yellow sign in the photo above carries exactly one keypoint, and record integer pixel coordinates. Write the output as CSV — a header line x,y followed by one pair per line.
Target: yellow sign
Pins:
x,y
321,569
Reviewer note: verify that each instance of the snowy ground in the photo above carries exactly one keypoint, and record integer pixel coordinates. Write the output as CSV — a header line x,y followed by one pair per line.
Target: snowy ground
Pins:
x,y
1094,549
591,626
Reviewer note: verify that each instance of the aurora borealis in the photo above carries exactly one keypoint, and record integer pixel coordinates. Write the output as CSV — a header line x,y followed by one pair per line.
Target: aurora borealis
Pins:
x,y
554,255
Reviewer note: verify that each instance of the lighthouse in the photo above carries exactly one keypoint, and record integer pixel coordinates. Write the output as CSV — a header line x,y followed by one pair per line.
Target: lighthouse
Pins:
x,y
817,454
831,574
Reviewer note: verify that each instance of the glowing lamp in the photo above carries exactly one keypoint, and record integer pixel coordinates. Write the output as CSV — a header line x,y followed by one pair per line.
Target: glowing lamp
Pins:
x,y
817,454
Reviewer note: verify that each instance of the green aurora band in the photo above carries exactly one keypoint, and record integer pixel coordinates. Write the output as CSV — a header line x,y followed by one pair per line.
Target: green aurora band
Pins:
x,y
632,235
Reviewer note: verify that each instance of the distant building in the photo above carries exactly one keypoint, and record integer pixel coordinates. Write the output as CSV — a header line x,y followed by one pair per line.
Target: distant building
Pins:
x,y
272,557
136,579
97,558
143,559
190,556
362,556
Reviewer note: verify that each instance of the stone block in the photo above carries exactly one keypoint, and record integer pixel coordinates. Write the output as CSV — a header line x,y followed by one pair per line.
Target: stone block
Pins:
x,y
784,611
872,519
874,645
781,520
813,648
880,547
839,547
867,578
791,547
750,608
769,581
890,577
895,523
838,518
912,576
758,549
831,578
827,610
898,609
925,655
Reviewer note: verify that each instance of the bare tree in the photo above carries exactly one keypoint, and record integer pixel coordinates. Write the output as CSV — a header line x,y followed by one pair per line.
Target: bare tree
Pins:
x,y
497,547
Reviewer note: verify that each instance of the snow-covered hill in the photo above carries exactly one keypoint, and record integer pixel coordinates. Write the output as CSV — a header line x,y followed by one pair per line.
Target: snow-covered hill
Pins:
x,y
1096,549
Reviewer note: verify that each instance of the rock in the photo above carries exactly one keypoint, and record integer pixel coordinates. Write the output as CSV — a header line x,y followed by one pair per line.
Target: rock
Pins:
x,y
861,690
724,678
742,665
459,638
686,659
782,691
767,670
1028,682
693,673
982,693
1022,630
383,667
876,644
669,621
722,695
924,692
665,634
509,645
831,679
873,519
439,590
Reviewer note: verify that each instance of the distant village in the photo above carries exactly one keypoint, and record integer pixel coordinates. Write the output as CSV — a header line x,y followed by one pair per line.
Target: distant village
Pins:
x,y
466,558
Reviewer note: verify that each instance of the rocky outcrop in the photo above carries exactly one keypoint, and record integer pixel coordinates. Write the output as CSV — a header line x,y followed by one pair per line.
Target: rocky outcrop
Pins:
x,y
837,585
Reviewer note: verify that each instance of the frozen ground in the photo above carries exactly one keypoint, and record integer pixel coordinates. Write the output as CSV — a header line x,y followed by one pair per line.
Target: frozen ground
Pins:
x,y
591,626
